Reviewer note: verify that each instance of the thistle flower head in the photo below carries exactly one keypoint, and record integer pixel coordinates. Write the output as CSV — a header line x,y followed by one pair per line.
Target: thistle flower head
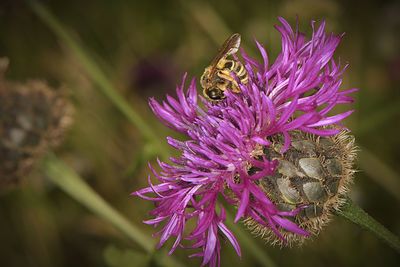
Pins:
x,y
226,154
33,118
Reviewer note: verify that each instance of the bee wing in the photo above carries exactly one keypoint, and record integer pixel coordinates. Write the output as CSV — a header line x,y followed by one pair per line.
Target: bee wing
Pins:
x,y
230,47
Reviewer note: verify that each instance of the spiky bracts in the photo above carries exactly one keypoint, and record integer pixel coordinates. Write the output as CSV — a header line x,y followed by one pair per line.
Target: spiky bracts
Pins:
x,y
315,173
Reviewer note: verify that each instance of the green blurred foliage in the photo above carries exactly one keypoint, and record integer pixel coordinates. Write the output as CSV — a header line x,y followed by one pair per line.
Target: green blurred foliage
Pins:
x,y
115,257
145,47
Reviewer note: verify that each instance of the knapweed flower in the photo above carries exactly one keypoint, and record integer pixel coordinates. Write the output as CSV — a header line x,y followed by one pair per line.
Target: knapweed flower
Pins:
x,y
272,150
33,119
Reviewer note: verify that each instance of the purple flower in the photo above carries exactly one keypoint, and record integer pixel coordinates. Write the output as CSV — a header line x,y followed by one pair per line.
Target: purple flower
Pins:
x,y
223,156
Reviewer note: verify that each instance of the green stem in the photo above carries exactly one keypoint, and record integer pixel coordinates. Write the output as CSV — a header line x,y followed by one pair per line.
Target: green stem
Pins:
x,y
70,182
98,76
357,215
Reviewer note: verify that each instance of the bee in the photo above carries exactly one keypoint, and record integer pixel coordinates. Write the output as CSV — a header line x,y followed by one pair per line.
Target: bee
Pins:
x,y
217,78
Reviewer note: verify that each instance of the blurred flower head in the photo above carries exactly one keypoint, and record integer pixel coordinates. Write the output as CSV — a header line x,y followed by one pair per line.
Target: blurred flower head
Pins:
x,y
238,149
33,118
153,76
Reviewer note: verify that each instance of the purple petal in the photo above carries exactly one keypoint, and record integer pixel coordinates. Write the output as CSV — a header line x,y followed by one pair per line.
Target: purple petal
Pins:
x,y
289,225
210,245
244,201
230,237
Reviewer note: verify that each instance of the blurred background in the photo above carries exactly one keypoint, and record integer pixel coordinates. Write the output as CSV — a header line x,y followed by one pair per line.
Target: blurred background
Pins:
x,y
144,48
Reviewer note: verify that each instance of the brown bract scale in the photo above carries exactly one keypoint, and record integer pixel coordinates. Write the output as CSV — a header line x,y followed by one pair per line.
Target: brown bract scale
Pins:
x,y
315,173
33,118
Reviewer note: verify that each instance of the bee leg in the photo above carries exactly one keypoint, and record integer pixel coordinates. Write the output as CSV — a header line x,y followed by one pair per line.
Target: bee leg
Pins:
x,y
232,83
225,75
235,87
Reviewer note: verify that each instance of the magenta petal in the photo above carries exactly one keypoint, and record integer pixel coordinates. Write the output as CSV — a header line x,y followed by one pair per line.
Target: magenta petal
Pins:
x,y
264,55
230,237
210,246
261,141
155,220
332,119
289,225
243,205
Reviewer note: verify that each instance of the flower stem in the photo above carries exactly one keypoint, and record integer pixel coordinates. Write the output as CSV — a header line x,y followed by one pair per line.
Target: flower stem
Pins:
x,y
69,181
98,76
357,215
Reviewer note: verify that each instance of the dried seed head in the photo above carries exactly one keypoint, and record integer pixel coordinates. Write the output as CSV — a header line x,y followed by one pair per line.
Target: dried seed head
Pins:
x,y
33,118
314,173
